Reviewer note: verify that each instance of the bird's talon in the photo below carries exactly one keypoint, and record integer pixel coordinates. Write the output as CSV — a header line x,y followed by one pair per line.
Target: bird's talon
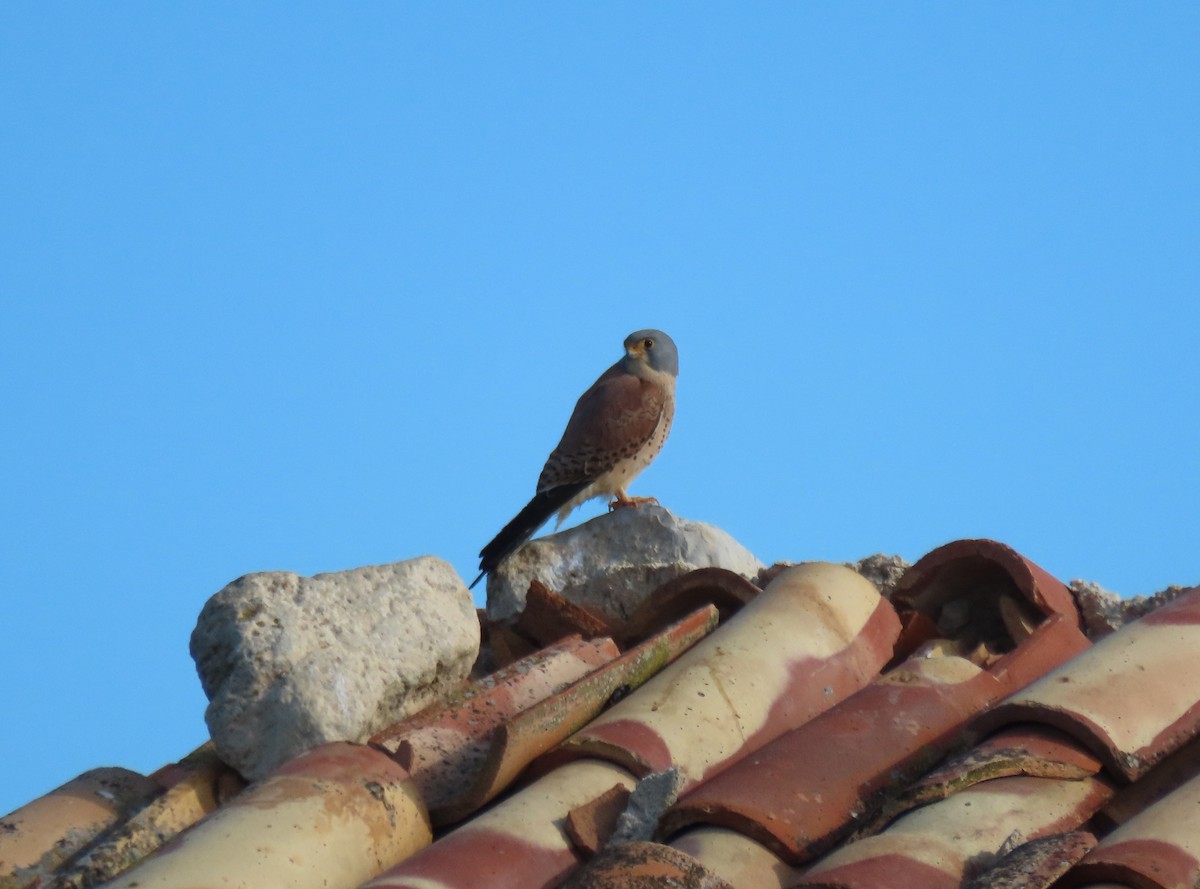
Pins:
x,y
632,501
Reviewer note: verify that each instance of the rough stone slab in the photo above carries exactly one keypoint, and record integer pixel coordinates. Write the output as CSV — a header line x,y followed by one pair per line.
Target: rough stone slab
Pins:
x,y
290,662
613,562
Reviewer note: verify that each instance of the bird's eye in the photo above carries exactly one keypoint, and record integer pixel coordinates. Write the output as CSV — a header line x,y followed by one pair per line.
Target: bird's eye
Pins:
x,y
648,343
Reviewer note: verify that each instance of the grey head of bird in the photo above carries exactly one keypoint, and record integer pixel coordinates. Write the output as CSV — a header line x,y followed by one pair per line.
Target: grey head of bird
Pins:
x,y
651,349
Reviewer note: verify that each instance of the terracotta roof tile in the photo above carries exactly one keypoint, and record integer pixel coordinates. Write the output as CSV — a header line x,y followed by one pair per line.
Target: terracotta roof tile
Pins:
x,y
735,857
1159,847
591,825
1037,864
940,844
812,786
726,591
333,816
548,616
1178,768
989,567
195,786
444,747
641,865
518,843
1020,750
817,634
39,837
1133,699
809,788
964,734
521,739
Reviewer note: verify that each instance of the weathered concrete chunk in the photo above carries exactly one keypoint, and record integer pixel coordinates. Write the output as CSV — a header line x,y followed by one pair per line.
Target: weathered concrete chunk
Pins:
x,y
1105,612
882,570
614,561
289,662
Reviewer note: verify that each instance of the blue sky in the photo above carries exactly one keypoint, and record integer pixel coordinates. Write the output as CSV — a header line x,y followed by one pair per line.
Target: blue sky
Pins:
x,y
305,287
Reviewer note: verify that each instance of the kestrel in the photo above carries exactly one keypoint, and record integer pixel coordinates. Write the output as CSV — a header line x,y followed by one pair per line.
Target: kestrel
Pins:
x,y
618,426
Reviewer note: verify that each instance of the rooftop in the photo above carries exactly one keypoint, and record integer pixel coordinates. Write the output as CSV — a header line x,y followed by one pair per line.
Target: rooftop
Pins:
x,y
969,721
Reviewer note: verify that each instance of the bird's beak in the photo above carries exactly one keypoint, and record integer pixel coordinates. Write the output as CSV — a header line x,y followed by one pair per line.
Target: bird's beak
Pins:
x,y
637,350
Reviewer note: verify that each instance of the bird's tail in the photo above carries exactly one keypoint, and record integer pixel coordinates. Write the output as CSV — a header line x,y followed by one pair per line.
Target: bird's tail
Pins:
x,y
511,537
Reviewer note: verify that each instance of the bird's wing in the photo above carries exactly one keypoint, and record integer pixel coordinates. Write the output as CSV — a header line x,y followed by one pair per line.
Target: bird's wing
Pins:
x,y
612,420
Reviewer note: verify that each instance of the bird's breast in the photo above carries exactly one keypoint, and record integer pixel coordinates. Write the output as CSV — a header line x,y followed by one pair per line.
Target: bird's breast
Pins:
x,y
627,469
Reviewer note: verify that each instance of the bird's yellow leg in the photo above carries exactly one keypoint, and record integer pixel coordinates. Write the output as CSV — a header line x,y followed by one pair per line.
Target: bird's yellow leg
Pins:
x,y
624,500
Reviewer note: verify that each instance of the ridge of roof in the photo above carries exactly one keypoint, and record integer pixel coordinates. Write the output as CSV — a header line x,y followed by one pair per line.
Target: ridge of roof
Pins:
x,y
966,730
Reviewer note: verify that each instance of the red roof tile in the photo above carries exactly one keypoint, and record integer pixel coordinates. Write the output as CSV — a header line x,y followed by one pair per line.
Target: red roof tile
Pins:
x,y
816,635
1133,698
1159,848
39,837
537,729
444,747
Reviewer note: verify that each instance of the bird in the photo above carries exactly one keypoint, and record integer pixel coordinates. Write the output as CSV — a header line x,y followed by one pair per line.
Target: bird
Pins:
x,y
617,428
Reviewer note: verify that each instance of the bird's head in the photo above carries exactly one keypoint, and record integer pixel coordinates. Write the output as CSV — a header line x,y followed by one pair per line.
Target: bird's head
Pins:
x,y
653,349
